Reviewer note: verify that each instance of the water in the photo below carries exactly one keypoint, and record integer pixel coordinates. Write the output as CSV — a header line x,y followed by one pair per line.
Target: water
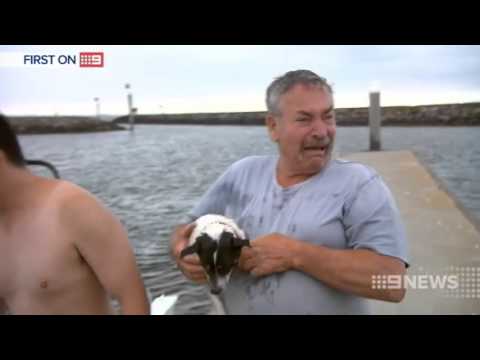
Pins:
x,y
151,178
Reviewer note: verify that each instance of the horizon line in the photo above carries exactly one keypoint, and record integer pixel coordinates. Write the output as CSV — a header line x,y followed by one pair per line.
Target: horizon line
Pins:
x,y
50,114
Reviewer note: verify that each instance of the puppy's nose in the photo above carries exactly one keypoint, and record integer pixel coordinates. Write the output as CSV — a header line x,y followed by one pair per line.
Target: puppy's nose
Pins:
x,y
216,291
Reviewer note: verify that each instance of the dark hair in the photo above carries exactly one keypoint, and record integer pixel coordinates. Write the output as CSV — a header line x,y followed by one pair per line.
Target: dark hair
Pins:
x,y
9,143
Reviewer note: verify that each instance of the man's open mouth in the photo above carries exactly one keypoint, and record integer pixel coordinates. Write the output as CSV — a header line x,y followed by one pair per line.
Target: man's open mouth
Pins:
x,y
320,149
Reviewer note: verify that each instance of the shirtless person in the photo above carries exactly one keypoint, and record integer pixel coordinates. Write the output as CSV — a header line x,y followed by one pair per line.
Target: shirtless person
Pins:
x,y
61,250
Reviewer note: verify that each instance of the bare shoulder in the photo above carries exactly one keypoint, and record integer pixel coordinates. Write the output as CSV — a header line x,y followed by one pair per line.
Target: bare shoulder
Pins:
x,y
81,209
73,198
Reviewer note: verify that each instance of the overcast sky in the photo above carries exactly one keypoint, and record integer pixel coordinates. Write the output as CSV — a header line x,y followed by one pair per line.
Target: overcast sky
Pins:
x,y
175,79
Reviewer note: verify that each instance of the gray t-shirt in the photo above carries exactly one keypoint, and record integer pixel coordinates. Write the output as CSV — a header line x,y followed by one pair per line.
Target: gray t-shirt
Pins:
x,y
345,206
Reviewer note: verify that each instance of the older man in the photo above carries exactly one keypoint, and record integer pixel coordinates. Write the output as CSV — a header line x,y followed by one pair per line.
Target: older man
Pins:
x,y
320,227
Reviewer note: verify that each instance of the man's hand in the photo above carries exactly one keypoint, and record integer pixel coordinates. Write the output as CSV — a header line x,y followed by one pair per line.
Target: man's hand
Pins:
x,y
189,265
268,254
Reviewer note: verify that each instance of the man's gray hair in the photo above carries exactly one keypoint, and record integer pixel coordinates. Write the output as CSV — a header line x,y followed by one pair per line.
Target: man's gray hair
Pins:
x,y
284,83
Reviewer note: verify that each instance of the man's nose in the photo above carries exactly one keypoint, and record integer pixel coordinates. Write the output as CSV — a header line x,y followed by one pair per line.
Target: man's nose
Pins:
x,y
319,128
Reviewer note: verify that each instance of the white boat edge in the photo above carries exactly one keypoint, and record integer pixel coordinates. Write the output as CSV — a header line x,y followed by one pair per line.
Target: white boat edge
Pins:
x,y
163,305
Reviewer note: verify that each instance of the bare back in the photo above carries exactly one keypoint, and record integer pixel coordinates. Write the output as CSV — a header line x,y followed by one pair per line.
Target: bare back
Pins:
x,y
41,269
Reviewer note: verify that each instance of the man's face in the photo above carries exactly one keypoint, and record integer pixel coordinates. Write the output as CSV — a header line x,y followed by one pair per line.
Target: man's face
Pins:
x,y
305,130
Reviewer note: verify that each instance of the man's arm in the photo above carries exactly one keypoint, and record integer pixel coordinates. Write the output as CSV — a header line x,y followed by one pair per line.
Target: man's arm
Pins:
x,y
343,269
349,270
103,243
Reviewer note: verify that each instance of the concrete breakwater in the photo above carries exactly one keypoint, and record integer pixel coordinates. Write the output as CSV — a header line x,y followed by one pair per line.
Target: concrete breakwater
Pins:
x,y
467,114
60,124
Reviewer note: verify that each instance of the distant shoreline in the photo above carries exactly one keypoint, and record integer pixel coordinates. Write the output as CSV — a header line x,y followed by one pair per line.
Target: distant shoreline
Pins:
x,y
427,115
467,114
31,125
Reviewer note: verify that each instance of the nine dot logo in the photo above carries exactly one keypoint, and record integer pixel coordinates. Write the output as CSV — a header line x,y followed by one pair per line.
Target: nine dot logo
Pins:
x,y
91,59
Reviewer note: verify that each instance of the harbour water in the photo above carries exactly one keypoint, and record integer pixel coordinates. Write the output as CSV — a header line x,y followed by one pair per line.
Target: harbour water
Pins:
x,y
152,177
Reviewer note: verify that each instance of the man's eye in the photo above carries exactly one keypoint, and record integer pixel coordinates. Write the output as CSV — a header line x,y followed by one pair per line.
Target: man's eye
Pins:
x,y
302,119
329,117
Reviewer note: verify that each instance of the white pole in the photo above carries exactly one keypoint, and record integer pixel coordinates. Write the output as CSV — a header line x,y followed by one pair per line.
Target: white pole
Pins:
x,y
131,118
375,121
97,102
130,112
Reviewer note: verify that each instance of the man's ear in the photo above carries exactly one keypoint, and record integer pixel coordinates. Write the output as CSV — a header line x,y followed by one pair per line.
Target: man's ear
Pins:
x,y
272,126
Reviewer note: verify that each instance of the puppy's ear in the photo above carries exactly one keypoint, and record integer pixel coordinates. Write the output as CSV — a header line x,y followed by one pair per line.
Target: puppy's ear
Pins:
x,y
192,249
227,237
246,241
240,242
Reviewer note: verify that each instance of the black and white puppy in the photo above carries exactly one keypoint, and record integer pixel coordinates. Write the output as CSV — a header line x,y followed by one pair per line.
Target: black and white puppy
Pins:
x,y
218,241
